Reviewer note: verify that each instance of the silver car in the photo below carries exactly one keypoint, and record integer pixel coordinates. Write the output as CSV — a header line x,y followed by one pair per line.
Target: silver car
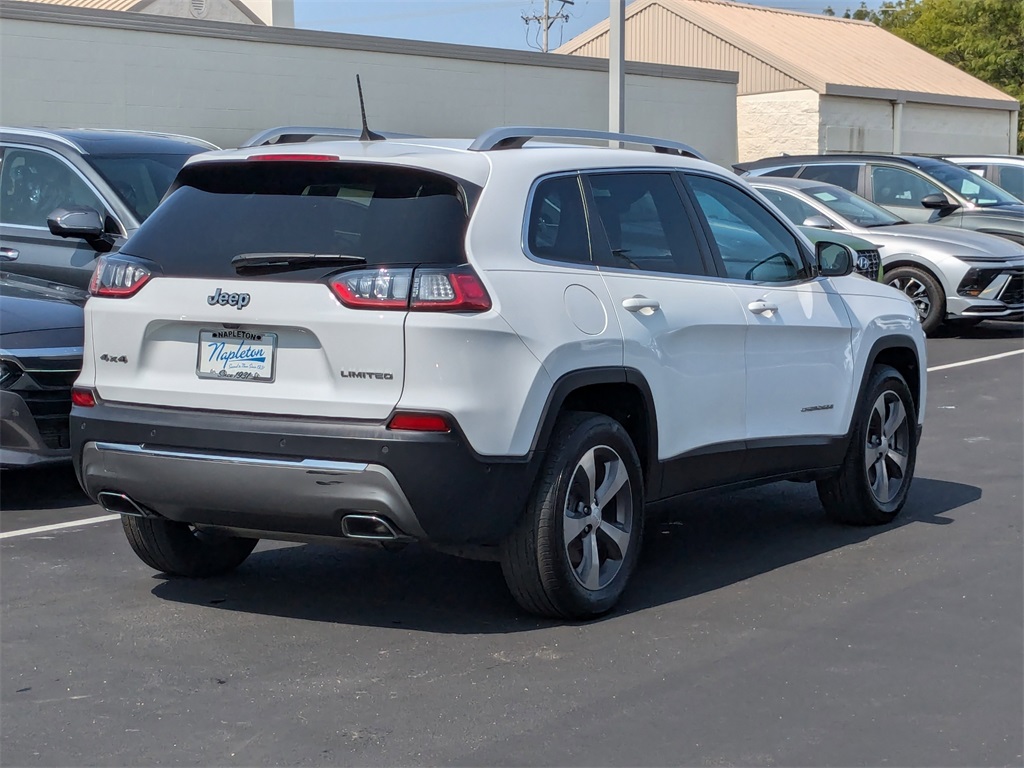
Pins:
x,y
949,274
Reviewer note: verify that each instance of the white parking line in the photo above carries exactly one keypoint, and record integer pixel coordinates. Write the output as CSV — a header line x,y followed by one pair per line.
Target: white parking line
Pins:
x,y
976,360
59,526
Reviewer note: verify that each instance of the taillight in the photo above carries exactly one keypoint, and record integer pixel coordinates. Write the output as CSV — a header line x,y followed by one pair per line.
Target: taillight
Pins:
x,y
425,289
118,276
83,397
373,288
419,422
447,290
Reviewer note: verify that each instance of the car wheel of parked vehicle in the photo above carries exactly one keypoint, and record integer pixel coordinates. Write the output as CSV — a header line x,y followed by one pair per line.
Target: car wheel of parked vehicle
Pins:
x,y
180,550
872,486
922,289
577,544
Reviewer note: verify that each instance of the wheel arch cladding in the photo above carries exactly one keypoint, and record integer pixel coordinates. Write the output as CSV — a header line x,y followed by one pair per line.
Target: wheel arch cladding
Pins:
x,y
898,353
621,394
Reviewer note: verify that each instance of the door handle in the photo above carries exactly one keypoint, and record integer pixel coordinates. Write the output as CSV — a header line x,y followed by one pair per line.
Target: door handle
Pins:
x,y
640,303
8,254
762,307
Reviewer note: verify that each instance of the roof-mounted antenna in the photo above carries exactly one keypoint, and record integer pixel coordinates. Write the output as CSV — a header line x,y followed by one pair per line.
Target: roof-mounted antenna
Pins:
x,y
367,134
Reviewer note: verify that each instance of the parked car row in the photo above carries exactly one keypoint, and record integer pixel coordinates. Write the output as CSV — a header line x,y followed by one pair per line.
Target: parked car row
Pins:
x,y
949,238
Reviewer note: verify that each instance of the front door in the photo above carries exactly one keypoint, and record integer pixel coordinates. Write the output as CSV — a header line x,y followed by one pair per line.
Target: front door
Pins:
x,y
799,379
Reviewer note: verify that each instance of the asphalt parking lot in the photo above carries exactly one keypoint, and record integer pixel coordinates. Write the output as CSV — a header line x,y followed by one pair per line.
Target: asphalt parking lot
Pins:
x,y
755,633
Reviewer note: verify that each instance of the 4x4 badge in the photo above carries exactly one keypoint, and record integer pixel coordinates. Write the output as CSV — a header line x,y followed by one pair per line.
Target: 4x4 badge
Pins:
x,y
236,300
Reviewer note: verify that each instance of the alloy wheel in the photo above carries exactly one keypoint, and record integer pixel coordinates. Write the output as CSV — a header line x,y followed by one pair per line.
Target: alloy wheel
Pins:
x,y
887,447
598,517
917,292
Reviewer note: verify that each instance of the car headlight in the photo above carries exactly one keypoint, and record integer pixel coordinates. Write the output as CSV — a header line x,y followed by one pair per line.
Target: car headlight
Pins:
x,y
977,280
9,373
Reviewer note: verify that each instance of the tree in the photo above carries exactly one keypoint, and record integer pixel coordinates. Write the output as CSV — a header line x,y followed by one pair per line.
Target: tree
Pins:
x,y
984,38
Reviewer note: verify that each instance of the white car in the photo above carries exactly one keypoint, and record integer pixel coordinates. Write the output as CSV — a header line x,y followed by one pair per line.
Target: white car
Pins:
x,y
501,349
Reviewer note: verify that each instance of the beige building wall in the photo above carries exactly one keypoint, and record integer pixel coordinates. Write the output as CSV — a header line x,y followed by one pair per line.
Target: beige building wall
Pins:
x,y
773,123
225,88
932,128
855,125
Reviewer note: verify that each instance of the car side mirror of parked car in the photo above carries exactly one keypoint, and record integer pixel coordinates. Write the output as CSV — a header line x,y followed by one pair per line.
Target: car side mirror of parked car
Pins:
x,y
80,221
939,201
818,222
834,259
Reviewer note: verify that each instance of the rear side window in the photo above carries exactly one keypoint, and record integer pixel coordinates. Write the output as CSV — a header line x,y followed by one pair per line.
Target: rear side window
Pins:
x,y
646,224
844,176
383,215
557,225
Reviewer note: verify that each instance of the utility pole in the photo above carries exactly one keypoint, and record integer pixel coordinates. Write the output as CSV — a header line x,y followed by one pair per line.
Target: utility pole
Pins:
x,y
616,67
546,21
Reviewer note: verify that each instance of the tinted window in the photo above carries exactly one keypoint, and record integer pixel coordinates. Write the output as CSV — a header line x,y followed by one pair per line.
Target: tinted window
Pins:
x,y
844,176
787,171
139,180
972,186
753,244
795,209
645,222
385,215
33,184
557,225
853,208
895,186
1011,178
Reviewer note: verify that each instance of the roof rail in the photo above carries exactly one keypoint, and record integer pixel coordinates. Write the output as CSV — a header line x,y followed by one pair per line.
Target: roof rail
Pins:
x,y
44,133
514,137
299,134
161,134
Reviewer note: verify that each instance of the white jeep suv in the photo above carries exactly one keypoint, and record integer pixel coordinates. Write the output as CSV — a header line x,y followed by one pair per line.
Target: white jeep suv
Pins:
x,y
505,350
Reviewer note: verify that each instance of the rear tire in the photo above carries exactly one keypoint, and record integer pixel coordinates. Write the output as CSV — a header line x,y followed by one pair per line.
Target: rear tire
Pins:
x,y
922,289
179,550
577,544
872,486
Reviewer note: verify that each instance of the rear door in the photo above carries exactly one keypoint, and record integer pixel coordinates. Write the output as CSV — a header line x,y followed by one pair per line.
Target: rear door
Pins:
x,y
682,329
278,287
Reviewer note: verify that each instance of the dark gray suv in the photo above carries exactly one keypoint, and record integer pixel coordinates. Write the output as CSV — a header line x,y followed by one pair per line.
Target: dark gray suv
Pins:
x,y
68,195
922,190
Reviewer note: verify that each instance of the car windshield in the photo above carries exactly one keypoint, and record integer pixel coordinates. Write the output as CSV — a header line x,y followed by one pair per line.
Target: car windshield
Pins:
x,y
140,180
975,188
853,208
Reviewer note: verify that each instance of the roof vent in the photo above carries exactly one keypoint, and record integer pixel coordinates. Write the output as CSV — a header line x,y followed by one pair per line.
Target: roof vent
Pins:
x,y
199,8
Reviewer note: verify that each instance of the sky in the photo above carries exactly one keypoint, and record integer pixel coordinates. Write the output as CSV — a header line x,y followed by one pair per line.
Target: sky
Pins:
x,y
492,23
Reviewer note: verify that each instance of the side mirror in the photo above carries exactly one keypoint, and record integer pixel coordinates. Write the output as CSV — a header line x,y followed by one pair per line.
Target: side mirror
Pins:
x,y
818,222
938,201
80,221
834,259
75,221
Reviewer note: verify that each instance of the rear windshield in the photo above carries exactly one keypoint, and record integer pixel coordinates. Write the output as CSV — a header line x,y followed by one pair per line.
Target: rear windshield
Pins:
x,y
383,215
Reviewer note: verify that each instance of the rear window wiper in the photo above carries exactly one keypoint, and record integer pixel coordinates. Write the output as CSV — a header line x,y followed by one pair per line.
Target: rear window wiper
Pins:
x,y
243,260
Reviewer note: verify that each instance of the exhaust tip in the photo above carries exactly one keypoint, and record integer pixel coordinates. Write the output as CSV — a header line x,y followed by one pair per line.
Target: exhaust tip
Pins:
x,y
368,527
121,504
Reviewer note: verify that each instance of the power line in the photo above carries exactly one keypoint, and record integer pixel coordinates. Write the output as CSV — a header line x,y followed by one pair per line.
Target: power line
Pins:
x,y
545,21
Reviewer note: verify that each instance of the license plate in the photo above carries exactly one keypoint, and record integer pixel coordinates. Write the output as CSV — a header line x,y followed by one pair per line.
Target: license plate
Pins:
x,y
236,354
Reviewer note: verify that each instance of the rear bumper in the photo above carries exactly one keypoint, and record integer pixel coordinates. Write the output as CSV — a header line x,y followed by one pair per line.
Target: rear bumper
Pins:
x,y
288,478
